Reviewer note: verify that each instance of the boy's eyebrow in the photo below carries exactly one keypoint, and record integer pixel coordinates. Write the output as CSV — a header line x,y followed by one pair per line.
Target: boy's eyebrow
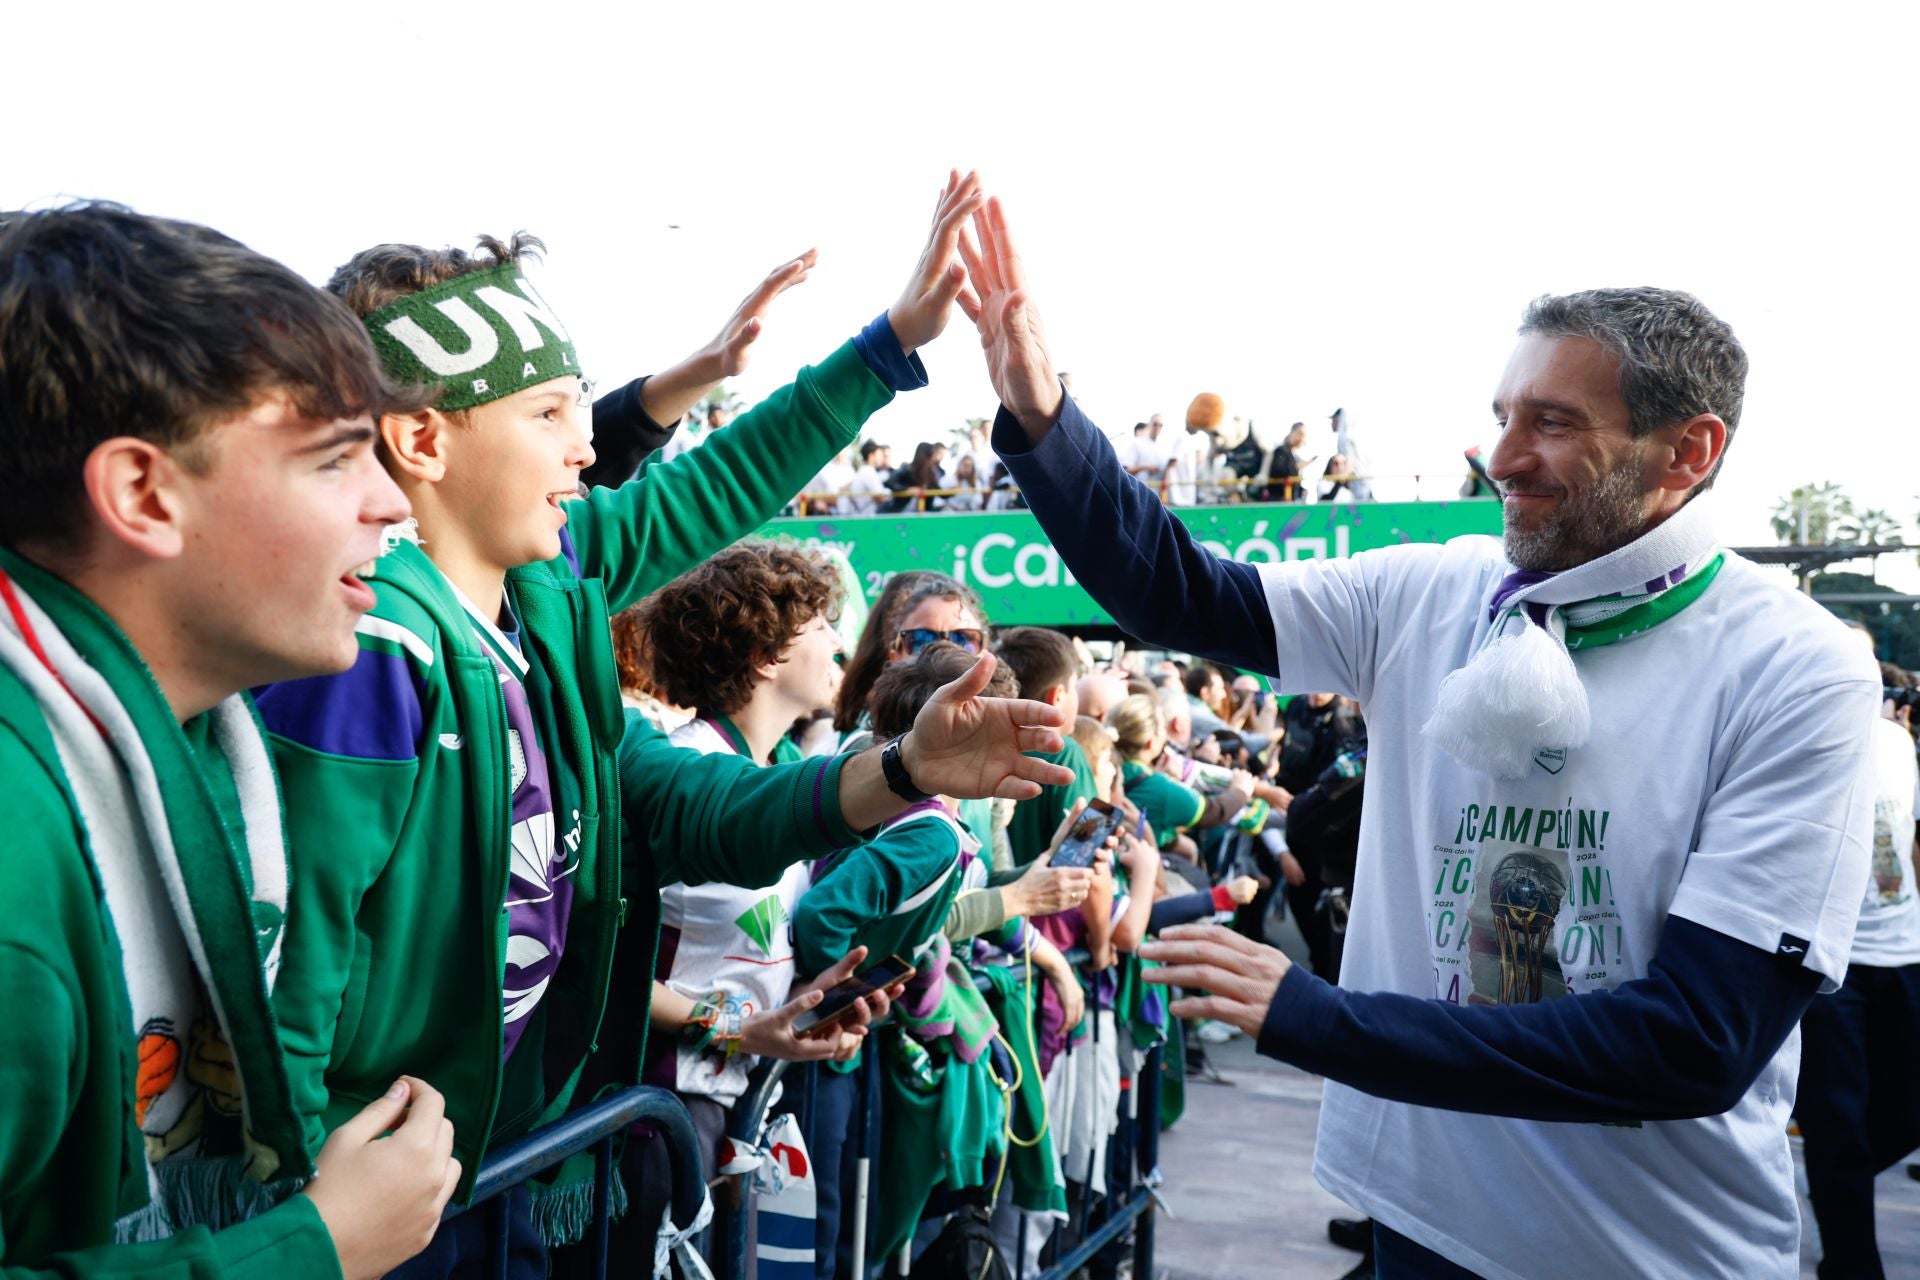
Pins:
x,y
351,433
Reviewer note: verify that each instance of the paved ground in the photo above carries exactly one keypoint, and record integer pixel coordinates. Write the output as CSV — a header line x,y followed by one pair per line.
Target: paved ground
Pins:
x,y
1244,1203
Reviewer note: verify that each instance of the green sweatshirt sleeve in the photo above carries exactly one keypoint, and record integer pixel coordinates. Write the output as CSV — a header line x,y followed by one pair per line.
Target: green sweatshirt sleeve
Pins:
x,y
850,903
344,818
650,531
719,817
290,1241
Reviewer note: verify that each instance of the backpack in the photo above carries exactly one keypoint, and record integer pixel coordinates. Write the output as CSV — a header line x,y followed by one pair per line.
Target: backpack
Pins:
x,y
964,1250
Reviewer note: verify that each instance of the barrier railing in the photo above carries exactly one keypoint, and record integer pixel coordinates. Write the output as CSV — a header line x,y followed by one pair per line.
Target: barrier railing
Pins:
x,y
1133,1175
596,1125
1208,491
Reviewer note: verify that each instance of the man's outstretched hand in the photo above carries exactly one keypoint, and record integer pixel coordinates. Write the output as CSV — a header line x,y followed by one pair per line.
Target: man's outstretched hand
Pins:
x,y
924,306
1238,974
966,746
1009,324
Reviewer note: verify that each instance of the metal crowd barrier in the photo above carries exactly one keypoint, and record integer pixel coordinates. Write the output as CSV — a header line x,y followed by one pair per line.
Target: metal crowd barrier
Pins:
x,y
596,1125
1133,1172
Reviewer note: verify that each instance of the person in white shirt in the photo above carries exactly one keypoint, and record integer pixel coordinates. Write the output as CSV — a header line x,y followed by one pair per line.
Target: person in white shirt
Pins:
x,y
876,464
827,492
1189,463
1858,1109
1617,821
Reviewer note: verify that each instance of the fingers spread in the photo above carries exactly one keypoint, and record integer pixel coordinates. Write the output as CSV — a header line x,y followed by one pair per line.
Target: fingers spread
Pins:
x,y
989,268
1031,738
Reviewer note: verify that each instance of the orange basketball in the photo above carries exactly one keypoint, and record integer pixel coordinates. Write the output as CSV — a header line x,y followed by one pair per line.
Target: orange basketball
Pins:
x,y
159,1063
1207,411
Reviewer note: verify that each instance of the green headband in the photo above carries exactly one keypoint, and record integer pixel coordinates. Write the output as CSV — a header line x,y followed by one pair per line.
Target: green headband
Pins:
x,y
479,337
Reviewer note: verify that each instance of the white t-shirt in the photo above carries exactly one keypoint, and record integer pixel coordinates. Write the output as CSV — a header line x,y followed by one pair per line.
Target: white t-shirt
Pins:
x,y
835,477
866,482
1889,930
1189,458
727,938
1145,451
1715,787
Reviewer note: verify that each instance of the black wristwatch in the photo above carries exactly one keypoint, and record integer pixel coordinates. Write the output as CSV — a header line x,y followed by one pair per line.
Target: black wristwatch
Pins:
x,y
898,780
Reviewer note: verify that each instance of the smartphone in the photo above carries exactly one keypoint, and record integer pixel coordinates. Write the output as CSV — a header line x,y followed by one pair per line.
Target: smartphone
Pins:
x,y
840,999
1090,830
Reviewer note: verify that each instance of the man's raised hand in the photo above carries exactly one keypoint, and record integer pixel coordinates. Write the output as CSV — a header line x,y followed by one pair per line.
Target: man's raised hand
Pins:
x,y
923,307
1009,324
967,746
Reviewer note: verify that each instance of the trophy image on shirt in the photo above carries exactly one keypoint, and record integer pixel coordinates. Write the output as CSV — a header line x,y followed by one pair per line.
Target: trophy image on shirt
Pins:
x,y
1517,900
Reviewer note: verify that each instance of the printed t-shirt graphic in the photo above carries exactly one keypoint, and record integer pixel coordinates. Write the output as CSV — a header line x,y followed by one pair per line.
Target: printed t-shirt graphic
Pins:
x,y
540,894
722,937
1889,930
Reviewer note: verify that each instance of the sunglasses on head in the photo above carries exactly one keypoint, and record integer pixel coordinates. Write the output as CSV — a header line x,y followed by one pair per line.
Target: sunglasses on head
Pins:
x,y
914,639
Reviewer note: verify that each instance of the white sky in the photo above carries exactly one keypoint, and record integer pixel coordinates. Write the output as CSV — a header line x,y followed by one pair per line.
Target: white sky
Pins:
x,y
1299,207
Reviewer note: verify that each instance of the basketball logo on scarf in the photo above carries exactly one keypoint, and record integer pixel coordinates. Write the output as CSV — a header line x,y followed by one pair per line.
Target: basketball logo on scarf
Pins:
x,y
480,337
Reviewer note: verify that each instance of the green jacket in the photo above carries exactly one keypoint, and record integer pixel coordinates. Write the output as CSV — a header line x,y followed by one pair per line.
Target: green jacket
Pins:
x,y
72,1160
1170,806
891,895
397,783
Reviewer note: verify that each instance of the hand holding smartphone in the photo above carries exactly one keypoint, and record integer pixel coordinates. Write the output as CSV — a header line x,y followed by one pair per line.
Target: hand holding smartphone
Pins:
x,y
1089,833
841,998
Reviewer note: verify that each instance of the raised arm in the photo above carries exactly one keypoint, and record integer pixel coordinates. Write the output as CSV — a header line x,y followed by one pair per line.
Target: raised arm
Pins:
x,y
1124,546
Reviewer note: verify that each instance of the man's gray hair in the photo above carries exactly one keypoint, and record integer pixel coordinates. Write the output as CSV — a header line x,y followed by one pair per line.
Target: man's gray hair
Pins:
x,y
1677,359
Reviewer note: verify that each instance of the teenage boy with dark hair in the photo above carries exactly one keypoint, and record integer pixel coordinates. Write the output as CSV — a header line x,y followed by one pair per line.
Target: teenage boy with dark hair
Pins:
x,y
1043,662
454,798
187,483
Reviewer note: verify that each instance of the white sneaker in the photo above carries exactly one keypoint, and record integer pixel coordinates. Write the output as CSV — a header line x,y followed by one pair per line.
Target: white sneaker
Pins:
x,y
1213,1031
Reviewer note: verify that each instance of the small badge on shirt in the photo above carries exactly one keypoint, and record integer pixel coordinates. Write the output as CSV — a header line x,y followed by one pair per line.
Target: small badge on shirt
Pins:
x,y
1791,946
1552,759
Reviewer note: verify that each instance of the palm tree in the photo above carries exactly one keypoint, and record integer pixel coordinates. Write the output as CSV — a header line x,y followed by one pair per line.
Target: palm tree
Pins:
x,y
1872,527
1811,514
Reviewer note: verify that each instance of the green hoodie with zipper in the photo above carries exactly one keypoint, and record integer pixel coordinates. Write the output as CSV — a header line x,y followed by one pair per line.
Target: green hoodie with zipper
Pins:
x,y
73,1160
398,777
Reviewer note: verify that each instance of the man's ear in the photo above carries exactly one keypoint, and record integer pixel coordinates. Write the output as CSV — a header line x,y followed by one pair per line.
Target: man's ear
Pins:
x,y
134,488
1055,695
1698,444
417,443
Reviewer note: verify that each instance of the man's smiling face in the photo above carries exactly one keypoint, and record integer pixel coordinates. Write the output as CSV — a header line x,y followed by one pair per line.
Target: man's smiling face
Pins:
x,y
1573,480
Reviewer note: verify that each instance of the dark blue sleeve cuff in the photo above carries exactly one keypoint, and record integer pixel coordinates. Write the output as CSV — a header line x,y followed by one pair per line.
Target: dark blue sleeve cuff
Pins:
x,y
1298,1006
880,348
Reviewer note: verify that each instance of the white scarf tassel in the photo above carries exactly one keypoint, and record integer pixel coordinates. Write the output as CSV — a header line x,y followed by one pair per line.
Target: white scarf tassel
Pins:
x,y
1519,692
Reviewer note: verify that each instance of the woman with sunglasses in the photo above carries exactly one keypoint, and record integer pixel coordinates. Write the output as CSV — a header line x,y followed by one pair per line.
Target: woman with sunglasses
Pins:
x,y
914,610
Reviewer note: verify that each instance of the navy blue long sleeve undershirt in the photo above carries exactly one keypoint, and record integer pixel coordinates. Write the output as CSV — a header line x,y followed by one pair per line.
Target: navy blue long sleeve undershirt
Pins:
x,y
1129,551
1686,1040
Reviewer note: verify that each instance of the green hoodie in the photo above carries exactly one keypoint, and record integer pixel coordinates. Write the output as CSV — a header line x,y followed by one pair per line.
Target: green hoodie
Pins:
x,y
398,778
72,1158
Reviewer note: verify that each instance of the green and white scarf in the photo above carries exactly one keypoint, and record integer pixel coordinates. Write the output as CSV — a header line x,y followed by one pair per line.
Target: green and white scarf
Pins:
x,y
1520,693
197,909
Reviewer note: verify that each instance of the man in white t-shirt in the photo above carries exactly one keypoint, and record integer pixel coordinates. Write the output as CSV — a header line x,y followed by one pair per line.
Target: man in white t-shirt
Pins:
x,y
827,492
876,464
1608,760
1188,463
1858,1109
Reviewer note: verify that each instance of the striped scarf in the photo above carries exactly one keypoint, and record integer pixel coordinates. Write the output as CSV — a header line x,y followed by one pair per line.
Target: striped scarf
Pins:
x,y
1520,693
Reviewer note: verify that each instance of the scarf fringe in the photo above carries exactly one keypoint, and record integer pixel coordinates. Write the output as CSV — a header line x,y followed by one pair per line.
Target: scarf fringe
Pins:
x,y
563,1212
214,1193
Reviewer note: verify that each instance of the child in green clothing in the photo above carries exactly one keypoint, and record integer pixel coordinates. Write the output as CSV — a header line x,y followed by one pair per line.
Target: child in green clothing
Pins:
x,y
457,799
187,484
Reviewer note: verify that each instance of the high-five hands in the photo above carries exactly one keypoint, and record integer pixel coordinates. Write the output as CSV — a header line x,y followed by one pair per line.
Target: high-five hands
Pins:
x,y
729,351
923,308
1238,974
1009,324
967,746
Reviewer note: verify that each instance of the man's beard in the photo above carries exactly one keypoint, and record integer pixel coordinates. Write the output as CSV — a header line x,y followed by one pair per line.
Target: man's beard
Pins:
x,y
1610,516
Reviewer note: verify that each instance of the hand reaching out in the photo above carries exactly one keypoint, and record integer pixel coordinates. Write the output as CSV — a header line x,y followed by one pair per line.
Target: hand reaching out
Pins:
x,y
1239,974
967,746
1009,325
923,308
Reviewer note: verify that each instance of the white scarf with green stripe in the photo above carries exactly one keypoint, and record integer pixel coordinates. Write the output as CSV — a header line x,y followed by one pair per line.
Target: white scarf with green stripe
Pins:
x,y
188,1070
1520,692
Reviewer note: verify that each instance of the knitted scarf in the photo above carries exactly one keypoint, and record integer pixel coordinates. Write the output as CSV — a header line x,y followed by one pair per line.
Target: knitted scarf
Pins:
x,y
197,908
1520,693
